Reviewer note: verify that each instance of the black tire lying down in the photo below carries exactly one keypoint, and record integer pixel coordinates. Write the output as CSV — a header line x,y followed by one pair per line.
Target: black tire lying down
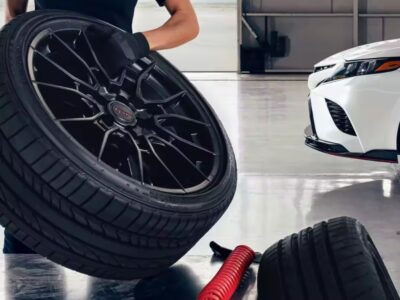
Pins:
x,y
334,260
116,171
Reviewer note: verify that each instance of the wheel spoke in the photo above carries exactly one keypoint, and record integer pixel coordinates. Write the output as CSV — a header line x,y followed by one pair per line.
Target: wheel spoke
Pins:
x,y
139,93
66,73
131,166
76,55
143,76
139,152
94,55
183,118
177,150
121,79
163,163
185,141
68,89
170,100
105,140
83,119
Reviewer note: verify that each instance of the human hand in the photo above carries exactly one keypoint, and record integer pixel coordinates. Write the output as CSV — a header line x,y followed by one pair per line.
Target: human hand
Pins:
x,y
134,46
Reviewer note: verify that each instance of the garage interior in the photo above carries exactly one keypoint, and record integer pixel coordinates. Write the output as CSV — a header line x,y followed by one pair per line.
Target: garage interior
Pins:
x,y
283,186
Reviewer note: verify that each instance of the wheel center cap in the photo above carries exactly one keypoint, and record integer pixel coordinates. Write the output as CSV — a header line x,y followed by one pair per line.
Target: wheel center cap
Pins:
x,y
122,113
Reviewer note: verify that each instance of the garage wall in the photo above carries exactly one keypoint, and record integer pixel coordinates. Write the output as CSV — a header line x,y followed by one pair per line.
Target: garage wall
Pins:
x,y
323,28
320,6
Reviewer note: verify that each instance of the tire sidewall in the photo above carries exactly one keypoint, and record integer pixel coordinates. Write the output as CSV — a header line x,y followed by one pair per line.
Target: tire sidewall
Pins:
x,y
386,281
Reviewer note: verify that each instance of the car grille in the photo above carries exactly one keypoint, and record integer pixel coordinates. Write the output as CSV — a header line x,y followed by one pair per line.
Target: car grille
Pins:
x,y
340,118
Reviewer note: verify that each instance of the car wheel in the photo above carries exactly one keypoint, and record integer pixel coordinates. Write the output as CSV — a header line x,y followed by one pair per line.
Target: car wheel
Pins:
x,y
112,169
334,260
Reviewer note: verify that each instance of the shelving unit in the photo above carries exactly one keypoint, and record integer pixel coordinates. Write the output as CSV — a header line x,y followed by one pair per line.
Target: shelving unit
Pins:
x,y
313,35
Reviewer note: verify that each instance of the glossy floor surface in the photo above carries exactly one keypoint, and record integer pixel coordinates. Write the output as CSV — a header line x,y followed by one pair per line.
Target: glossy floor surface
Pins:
x,y
31,277
283,187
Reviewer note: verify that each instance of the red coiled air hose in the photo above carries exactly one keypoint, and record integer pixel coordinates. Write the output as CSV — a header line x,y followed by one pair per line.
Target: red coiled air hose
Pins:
x,y
227,280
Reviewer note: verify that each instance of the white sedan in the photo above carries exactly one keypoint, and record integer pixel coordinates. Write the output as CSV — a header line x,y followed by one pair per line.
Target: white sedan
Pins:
x,y
355,103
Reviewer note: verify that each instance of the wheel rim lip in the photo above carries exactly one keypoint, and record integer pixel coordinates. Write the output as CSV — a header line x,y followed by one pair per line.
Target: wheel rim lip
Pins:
x,y
215,133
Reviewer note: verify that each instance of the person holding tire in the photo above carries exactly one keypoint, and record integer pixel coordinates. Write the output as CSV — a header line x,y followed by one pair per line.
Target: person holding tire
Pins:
x,y
181,27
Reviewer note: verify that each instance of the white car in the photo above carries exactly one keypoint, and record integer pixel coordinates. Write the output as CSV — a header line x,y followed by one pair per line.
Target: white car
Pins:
x,y
355,103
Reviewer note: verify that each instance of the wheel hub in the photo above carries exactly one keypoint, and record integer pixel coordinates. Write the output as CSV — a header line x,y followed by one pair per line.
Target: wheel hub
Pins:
x,y
122,113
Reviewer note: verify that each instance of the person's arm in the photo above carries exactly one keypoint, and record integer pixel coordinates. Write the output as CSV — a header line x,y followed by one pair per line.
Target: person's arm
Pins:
x,y
179,29
14,8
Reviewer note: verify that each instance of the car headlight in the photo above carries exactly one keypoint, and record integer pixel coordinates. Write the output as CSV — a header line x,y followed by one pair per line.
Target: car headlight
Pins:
x,y
323,68
365,67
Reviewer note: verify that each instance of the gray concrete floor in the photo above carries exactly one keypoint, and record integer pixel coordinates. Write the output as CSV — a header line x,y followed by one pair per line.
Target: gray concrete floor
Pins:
x,y
31,277
283,187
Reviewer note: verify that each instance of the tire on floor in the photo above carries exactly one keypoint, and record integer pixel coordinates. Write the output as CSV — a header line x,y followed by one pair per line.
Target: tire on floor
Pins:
x,y
334,260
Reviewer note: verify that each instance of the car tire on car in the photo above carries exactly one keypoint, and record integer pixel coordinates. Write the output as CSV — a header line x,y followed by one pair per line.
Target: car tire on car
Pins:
x,y
113,175
334,260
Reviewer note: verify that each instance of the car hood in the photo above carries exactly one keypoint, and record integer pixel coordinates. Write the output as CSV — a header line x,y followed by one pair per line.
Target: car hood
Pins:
x,y
390,48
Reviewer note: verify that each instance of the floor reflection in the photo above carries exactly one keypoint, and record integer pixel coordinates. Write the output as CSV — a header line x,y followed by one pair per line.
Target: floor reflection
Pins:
x,y
377,205
376,202
32,277
248,286
178,283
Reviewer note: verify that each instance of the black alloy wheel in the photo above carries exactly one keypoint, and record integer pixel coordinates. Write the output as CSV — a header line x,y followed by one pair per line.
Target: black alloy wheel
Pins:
x,y
136,120
109,167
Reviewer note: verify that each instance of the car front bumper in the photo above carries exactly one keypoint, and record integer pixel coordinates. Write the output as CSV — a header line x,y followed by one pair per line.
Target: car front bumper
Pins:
x,y
312,141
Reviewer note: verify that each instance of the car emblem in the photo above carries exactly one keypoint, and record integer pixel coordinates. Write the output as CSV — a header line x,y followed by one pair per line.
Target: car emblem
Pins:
x,y
122,113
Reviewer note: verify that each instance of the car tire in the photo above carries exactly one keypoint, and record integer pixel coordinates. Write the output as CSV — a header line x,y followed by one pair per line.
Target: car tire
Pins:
x,y
92,214
334,260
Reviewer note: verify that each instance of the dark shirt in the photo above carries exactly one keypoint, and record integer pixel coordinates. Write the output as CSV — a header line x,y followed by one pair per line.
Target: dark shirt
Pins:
x,y
117,12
